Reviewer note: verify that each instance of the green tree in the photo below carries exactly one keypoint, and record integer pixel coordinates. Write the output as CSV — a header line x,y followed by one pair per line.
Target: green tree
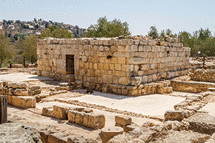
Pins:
x,y
5,51
153,32
105,28
184,37
29,47
57,32
204,34
162,34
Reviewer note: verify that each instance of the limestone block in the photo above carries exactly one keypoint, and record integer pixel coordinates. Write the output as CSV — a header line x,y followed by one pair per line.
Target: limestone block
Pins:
x,y
174,115
17,85
24,101
130,127
168,90
20,92
96,121
134,48
138,60
123,120
72,116
79,118
47,111
108,133
143,42
136,80
123,80
9,99
60,112
33,87
86,120
140,54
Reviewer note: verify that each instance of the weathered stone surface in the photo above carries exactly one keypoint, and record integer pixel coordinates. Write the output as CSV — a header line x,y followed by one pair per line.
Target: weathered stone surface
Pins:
x,y
18,133
33,87
130,127
202,122
24,101
75,139
183,137
17,85
9,99
96,121
60,112
20,92
123,120
91,120
191,86
108,133
56,138
174,115
47,111
79,118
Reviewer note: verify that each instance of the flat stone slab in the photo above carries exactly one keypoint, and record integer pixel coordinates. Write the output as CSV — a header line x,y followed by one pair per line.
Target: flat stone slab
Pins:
x,y
152,105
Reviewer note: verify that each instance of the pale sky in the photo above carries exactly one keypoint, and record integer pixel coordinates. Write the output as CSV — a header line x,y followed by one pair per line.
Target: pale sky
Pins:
x,y
177,15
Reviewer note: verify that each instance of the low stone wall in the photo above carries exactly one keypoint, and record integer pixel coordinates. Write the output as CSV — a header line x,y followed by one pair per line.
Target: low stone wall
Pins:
x,y
20,94
203,75
81,116
191,86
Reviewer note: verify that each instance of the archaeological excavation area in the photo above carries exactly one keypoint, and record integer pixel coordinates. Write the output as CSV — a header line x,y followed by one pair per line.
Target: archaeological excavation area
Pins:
x,y
137,90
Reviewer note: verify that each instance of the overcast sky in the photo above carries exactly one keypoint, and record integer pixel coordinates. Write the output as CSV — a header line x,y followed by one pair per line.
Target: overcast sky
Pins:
x,y
177,15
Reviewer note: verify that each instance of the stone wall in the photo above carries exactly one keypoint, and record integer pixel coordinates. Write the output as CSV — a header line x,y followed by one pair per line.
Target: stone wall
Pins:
x,y
191,86
207,75
20,94
109,62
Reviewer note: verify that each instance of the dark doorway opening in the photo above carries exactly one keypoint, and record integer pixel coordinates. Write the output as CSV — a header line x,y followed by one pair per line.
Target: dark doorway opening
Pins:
x,y
70,64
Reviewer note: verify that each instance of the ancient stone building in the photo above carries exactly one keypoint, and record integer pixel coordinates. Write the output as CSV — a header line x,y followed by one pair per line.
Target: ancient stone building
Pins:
x,y
110,64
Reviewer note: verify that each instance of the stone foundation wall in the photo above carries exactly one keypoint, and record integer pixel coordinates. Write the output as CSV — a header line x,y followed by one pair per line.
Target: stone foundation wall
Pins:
x,y
203,75
20,94
191,86
99,63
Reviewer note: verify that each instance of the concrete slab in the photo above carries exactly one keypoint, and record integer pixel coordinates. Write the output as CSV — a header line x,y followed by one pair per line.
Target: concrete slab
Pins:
x,y
152,105
21,77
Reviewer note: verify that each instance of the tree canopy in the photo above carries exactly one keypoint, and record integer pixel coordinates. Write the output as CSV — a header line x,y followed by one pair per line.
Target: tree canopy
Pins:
x,y
56,32
5,51
153,32
105,28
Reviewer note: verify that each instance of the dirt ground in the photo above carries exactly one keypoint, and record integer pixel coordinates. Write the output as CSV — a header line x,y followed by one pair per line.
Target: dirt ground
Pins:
x,y
149,109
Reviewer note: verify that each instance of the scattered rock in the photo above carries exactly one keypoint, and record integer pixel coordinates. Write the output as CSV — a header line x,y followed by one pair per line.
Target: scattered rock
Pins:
x,y
108,133
123,120
174,115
